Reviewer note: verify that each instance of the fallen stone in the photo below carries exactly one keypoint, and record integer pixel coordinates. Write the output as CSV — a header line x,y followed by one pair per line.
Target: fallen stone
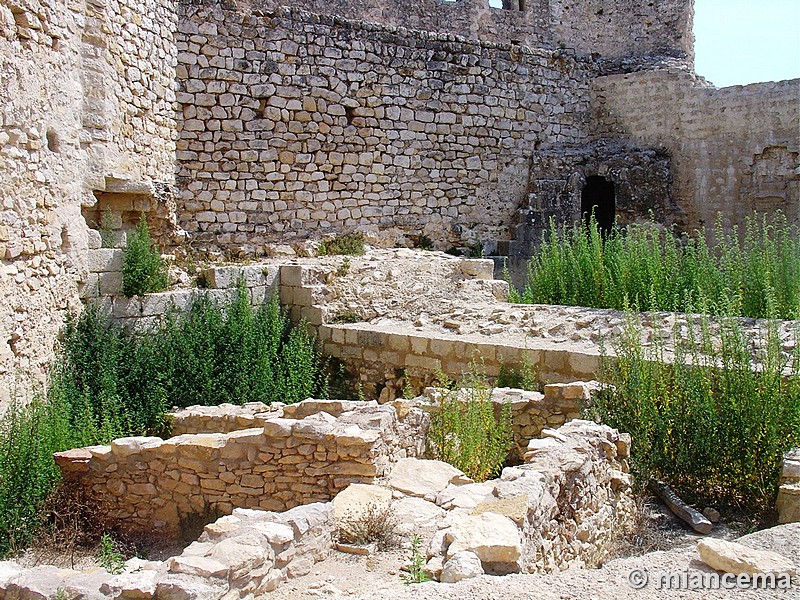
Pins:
x,y
434,567
419,477
417,512
463,496
132,586
353,503
736,558
463,565
493,538
241,554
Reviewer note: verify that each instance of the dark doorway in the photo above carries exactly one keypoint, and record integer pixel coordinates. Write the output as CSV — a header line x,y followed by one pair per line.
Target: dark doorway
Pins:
x,y
598,197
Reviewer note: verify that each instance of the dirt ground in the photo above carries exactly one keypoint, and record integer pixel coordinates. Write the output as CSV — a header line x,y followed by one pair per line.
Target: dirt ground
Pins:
x,y
378,577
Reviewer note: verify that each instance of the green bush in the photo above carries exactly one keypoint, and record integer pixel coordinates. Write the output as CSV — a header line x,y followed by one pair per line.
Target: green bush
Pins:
x,y
143,270
107,384
465,431
646,267
351,244
714,422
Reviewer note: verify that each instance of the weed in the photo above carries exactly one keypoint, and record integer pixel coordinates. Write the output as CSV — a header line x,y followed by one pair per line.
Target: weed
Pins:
x,y
466,432
343,268
714,421
373,524
351,244
756,274
143,270
416,570
109,557
346,316
524,377
423,242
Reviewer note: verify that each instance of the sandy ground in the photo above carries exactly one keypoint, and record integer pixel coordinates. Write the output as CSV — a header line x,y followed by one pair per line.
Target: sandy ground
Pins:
x,y
378,578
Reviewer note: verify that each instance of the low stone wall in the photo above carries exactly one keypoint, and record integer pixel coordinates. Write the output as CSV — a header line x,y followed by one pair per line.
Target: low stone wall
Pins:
x,y
560,509
104,288
531,412
248,553
154,485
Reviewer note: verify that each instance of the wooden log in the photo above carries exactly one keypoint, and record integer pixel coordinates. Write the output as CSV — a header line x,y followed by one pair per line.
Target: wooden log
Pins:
x,y
680,509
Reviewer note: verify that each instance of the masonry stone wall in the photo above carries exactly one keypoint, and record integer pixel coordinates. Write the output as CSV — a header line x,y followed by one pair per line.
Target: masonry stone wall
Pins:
x,y
610,28
734,150
86,98
294,125
149,484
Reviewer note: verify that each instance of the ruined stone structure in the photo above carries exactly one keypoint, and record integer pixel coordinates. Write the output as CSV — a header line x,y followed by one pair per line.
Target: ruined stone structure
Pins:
x,y
233,126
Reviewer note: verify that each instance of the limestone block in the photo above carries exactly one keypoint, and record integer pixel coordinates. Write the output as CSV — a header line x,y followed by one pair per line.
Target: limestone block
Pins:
x,y
788,503
104,260
242,554
127,446
464,496
419,477
417,512
733,557
200,566
494,538
478,268
277,534
139,585
462,565
513,507
177,586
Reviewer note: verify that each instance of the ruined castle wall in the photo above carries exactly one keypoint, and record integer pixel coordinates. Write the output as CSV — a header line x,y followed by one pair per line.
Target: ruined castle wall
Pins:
x,y
86,93
734,150
295,125
611,28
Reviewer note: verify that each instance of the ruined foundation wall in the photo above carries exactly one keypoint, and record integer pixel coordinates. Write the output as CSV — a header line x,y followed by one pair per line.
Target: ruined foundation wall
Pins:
x,y
734,150
295,125
150,484
86,94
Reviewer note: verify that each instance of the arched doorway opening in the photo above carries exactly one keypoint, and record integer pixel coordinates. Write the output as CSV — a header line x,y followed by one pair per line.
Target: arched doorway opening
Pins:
x,y
598,197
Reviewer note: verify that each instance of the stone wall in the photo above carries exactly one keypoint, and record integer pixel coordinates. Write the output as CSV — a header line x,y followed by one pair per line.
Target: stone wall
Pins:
x,y
154,485
86,96
295,125
734,150
103,288
613,29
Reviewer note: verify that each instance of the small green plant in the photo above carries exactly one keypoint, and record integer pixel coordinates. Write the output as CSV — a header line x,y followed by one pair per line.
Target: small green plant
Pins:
x,y
109,556
108,237
351,244
62,594
374,524
343,268
416,569
466,432
524,376
346,316
423,242
143,269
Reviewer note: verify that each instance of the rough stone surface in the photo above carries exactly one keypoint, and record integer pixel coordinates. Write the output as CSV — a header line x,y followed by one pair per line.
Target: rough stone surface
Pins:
x,y
733,557
419,477
495,539
462,565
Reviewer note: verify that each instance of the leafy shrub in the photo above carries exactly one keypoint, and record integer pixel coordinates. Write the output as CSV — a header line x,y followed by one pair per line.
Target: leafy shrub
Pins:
x,y
525,376
143,270
465,431
106,384
715,422
349,244
644,266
